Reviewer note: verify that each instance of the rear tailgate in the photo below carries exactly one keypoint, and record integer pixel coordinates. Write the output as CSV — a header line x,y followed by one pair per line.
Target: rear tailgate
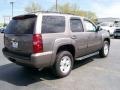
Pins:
x,y
19,33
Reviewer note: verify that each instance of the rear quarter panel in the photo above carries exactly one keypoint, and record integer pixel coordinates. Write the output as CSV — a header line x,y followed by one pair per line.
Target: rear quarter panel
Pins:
x,y
64,40
51,43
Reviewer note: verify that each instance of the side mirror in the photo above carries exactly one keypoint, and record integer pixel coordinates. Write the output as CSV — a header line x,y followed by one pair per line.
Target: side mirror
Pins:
x,y
98,28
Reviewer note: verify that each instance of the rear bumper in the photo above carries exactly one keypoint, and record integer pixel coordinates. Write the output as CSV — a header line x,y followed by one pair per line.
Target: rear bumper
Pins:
x,y
38,60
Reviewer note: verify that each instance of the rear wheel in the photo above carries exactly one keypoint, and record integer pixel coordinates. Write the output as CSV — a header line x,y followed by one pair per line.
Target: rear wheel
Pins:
x,y
63,64
105,49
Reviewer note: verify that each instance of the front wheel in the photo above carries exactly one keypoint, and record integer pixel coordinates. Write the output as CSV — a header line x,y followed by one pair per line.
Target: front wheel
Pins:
x,y
63,64
105,49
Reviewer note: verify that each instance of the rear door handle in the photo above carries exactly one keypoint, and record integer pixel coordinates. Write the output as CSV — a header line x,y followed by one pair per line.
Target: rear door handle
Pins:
x,y
74,37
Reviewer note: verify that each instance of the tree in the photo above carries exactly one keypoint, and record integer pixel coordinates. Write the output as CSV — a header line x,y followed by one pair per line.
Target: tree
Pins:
x,y
1,24
73,9
32,7
91,15
65,8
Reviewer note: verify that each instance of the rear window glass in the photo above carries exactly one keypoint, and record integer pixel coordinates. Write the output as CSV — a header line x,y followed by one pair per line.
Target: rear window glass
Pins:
x,y
76,25
21,26
53,24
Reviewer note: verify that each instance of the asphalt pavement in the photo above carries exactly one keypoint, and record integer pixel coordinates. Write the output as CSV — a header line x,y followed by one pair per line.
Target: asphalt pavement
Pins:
x,y
91,74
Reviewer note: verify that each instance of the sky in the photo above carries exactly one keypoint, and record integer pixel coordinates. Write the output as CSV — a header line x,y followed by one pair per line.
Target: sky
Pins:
x,y
102,8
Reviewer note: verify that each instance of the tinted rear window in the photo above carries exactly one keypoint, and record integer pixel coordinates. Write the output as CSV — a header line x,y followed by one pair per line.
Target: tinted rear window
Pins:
x,y
21,25
76,25
53,24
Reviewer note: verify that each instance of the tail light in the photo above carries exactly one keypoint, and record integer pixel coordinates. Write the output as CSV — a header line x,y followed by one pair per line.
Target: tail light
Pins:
x,y
37,43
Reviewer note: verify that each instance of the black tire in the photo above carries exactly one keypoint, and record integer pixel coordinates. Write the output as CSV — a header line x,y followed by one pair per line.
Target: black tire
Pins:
x,y
115,37
56,68
102,51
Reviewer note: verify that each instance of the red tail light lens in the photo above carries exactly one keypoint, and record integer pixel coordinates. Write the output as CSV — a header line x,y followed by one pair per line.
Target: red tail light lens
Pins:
x,y
37,43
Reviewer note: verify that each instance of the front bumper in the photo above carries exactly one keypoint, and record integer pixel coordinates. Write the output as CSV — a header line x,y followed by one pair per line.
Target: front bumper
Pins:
x,y
117,34
38,60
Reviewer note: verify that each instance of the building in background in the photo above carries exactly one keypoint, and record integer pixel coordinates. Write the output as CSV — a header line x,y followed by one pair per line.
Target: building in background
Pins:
x,y
100,20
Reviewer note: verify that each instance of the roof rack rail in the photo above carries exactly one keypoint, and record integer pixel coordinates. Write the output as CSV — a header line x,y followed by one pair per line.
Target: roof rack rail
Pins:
x,y
52,12
45,12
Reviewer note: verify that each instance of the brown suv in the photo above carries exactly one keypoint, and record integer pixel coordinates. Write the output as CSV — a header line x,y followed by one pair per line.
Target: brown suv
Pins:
x,y
53,39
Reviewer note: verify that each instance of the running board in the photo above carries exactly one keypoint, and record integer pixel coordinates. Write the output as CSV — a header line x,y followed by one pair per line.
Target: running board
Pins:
x,y
87,56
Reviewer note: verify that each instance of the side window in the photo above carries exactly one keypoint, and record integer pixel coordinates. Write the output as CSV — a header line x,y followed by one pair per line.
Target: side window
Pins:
x,y
53,24
76,25
89,26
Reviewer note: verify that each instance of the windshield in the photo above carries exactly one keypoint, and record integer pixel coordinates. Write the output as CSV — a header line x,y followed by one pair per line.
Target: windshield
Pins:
x,y
117,24
21,26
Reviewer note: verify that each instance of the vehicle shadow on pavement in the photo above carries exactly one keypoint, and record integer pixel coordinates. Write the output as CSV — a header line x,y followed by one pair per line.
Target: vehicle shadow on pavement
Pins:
x,y
80,63
20,76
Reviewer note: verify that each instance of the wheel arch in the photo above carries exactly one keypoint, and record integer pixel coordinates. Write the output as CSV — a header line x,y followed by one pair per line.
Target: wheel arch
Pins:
x,y
67,47
107,39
